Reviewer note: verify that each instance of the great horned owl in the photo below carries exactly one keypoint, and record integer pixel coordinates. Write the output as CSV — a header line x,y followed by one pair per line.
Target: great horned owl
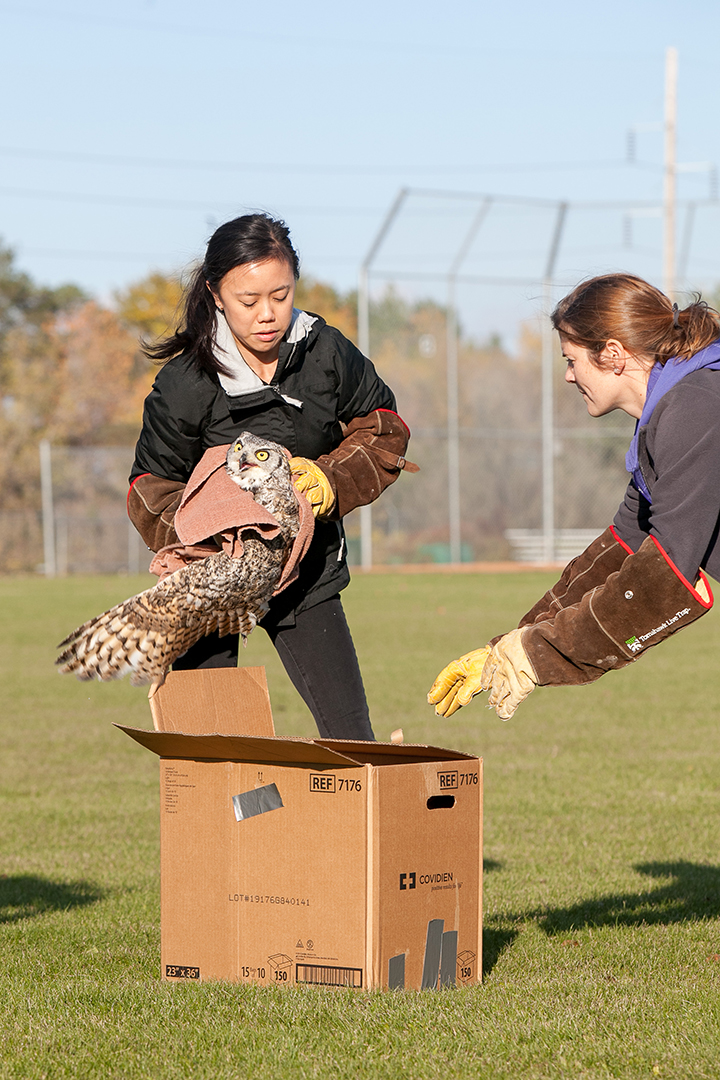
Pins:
x,y
145,634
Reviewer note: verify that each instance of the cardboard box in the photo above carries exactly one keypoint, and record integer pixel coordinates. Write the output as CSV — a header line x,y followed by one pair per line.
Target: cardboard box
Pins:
x,y
314,861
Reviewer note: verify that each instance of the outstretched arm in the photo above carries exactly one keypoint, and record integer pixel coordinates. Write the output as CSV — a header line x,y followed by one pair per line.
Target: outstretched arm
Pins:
x,y
641,604
458,683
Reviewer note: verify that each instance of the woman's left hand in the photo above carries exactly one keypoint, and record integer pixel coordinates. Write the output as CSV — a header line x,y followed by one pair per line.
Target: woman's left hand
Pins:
x,y
503,668
508,675
311,481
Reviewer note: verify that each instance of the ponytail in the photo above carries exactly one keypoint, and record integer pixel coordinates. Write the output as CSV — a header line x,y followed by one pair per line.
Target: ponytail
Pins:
x,y
627,309
197,334
697,326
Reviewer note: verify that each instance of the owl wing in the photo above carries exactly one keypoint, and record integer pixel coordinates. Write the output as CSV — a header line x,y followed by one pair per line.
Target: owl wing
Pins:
x,y
142,636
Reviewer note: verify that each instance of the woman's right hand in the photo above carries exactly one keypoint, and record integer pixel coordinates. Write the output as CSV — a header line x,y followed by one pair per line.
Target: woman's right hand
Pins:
x,y
458,683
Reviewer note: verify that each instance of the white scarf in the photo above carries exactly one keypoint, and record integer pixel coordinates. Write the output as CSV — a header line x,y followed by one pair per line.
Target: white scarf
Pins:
x,y
242,379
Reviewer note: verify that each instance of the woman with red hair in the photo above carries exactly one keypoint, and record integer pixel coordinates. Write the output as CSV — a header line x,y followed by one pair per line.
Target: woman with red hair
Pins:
x,y
627,347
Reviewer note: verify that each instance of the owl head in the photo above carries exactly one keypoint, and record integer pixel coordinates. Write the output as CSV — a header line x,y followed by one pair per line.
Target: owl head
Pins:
x,y
253,462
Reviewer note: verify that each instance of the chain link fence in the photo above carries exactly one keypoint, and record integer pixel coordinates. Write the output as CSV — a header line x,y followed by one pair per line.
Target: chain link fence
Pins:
x,y
80,525
500,467
453,295
500,475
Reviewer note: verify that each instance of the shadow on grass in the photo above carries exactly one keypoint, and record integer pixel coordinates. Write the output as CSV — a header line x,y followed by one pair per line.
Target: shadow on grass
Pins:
x,y
25,896
689,893
495,941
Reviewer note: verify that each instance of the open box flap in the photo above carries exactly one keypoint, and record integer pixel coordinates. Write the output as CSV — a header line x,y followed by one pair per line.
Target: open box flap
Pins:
x,y
340,752
377,753
227,701
176,744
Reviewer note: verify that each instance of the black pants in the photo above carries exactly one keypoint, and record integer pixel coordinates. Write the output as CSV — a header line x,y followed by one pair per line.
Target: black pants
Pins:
x,y
318,655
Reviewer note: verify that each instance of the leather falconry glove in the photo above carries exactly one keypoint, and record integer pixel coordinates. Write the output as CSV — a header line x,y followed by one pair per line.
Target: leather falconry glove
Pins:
x,y
458,682
311,481
151,505
640,605
370,457
508,674
637,606
603,557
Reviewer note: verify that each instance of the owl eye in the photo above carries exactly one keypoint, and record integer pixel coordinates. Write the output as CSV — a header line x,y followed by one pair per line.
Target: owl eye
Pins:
x,y
237,447
262,455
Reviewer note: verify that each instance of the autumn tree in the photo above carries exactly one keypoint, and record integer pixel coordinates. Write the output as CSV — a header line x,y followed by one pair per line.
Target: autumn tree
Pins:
x,y
152,306
74,380
337,309
73,371
26,305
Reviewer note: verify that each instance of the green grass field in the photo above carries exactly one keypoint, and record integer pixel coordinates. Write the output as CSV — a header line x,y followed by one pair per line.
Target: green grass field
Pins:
x,y
602,883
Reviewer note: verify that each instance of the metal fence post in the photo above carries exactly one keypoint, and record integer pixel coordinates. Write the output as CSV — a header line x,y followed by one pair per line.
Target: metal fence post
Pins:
x,y
48,513
364,346
453,396
133,549
548,418
366,558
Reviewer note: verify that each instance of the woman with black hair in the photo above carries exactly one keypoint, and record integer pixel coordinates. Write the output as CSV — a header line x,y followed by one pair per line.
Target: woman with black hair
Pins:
x,y
627,347
245,359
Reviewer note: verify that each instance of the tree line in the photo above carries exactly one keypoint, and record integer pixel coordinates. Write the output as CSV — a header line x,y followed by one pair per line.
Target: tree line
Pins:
x,y
72,371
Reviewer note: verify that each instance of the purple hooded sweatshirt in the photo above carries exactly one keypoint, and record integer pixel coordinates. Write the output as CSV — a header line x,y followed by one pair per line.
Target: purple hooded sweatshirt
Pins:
x,y
662,378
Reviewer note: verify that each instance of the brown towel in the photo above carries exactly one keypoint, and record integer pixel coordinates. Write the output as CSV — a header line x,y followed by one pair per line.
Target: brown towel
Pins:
x,y
214,508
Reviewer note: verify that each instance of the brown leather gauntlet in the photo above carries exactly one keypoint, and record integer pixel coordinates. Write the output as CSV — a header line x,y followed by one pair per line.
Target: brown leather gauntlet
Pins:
x,y
151,506
638,606
593,567
369,459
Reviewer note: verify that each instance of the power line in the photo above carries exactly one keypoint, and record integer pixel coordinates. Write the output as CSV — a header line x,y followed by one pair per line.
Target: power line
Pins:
x,y
178,258
534,201
135,161
130,256
179,29
210,204
378,43
206,205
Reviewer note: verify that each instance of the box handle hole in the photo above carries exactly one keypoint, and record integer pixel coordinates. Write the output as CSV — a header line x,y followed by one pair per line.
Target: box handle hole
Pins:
x,y
440,802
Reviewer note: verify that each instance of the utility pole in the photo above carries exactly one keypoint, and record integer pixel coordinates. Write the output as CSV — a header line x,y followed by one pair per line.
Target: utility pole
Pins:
x,y
669,184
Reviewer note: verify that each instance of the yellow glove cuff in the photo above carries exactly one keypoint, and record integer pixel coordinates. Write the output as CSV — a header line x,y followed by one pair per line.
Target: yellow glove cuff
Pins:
x,y
458,682
509,675
311,481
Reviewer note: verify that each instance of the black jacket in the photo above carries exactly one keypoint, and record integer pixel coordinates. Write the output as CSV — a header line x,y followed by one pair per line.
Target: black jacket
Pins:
x,y
329,382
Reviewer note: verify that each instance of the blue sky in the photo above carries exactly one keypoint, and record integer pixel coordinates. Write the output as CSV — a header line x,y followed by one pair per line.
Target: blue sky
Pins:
x,y
129,130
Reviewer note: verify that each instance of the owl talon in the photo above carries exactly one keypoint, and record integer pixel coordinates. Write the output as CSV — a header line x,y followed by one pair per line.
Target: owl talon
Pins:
x,y
155,686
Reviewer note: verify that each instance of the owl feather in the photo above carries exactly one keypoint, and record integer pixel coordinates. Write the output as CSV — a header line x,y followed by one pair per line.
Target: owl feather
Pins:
x,y
145,634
